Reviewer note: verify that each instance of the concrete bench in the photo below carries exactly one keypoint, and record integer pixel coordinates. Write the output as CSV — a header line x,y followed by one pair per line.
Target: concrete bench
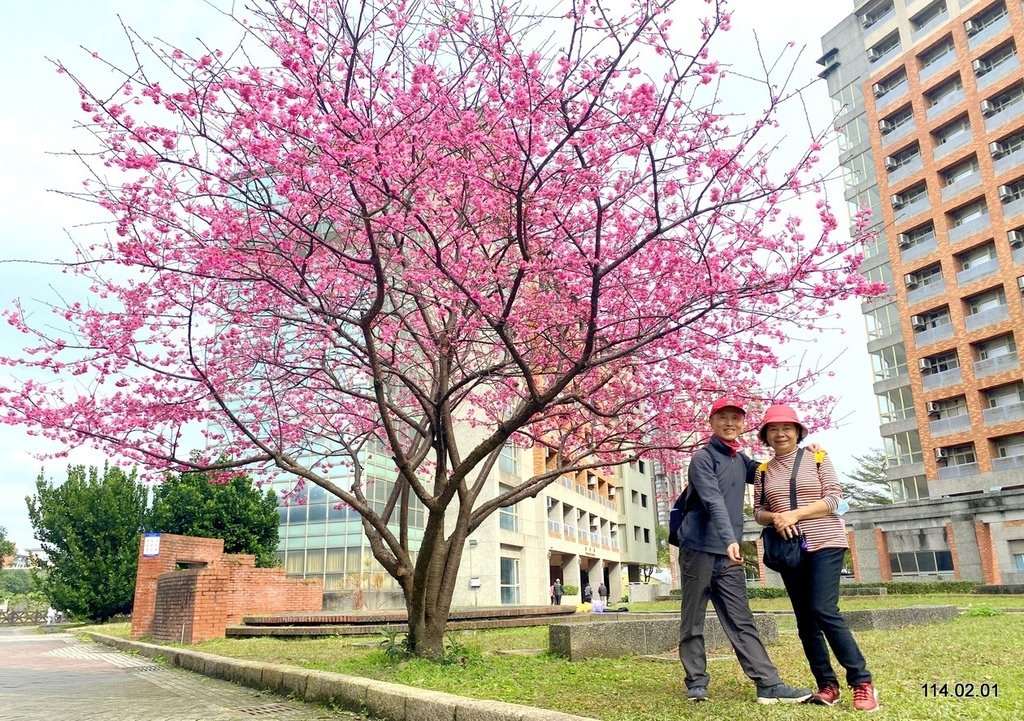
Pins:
x,y
639,635
854,591
886,618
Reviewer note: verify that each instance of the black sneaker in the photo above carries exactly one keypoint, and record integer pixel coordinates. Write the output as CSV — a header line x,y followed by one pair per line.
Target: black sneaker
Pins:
x,y
781,693
697,693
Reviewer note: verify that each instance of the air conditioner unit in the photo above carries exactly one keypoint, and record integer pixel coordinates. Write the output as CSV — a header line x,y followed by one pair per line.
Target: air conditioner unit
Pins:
x,y
903,241
1020,283
996,149
924,366
917,322
1005,193
940,454
890,163
978,66
885,126
987,108
878,90
1016,238
933,408
593,524
591,480
972,27
873,54
551,503
867,21
896,200
910,280
611,491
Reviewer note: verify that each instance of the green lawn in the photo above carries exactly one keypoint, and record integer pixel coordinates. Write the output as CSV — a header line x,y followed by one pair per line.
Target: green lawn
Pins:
x,y
972,649
851,603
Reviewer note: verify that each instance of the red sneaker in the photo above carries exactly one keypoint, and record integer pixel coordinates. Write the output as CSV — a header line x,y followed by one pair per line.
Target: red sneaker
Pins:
x,y
826,696
865,697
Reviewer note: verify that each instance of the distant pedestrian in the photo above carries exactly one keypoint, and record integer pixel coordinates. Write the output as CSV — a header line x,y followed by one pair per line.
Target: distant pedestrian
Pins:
x,y
588,594
51,616
556,591
602,592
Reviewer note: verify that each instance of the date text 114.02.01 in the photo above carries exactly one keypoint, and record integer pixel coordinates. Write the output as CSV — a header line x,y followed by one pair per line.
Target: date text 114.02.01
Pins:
x,y
960,690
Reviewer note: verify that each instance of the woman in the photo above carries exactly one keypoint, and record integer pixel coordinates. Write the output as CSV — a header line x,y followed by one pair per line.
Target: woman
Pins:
x,y
813,587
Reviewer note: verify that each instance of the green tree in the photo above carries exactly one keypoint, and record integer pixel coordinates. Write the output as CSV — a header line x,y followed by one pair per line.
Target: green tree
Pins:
x,y
89,527
15,581
191,505
661,537
6,546
868,484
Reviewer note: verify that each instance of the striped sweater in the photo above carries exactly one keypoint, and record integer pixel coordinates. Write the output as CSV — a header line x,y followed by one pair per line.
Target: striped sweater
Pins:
x,y
812,484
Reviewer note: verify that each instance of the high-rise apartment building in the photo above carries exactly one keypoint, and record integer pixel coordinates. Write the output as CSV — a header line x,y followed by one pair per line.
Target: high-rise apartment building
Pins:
x,y
929,103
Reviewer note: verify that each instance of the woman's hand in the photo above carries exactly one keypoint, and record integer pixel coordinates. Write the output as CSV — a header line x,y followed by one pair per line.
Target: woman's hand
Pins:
x,y
785,523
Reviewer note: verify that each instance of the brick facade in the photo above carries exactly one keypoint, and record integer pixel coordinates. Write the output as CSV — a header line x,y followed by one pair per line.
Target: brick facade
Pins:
x,y
989,561
191,591
882,548
851,539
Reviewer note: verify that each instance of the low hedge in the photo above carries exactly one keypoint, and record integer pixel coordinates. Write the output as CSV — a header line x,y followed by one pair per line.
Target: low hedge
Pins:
x,y
894,588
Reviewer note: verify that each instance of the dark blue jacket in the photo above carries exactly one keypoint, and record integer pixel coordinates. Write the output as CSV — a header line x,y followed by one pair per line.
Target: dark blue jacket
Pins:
x,y
719,478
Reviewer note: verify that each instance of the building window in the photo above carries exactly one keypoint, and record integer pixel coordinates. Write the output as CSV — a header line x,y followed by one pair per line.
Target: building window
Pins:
x,y
968,213
888,44
889,362
643,500
1010,446
982,20
845,99
865,200
999,56
933,12
647,535
509,581
508,518
903,449
913,564
960,171
636,533
883,321
961,455
1017,552
1003,100
508,461
1005,395
853,133
988,300
945,92
858,169
996,347
930,319
895,405
879,13
938,53
977,256
940,363
953,132
909,489
641,467
880,274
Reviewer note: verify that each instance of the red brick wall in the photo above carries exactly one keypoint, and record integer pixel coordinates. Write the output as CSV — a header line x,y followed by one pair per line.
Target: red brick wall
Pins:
x,y
951,542
173,549
196,604
852,541
882,547
762,570
989,563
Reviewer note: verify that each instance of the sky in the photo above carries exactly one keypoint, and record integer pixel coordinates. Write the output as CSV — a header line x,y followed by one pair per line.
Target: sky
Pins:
x,y
37,131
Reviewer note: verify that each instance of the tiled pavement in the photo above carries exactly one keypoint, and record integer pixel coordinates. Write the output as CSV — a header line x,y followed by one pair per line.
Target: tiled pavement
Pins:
x,y
53,677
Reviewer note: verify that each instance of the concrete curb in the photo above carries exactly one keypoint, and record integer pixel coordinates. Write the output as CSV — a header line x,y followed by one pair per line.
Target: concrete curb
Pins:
x,y
381,700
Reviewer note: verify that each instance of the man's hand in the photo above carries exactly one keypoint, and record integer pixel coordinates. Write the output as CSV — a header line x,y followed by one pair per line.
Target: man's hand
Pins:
x,y
733,552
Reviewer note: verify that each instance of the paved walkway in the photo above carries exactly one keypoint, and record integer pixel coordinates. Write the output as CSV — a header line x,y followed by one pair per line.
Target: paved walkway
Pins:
x,y
52,677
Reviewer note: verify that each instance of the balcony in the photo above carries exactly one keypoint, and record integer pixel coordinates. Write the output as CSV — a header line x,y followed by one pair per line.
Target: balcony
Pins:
x,y
923,292
919,249
958,141
898,133
987,317
887,55
976,41
998,73
928,27
910,210
963,184
933,335
1008,161
1013,208
953,424
978,270
569,532
959,471
950,100
937,66
997,364
1005,464
1010,413
896,92
1005,115
969,229
906,170
941,379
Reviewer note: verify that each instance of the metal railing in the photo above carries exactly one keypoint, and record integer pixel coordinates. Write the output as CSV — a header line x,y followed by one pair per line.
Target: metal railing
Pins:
x,y
986,34
945,426
1009,413
933,335
941,379
923,292
938,66
968,229
952,144
987,317
948,101
1005,115
978,270
907,169
959,471
998,364
1013,208
1000,71
961,185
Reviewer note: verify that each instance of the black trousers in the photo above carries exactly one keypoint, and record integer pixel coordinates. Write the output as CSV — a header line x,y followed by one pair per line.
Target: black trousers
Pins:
x,y
813,589
710,576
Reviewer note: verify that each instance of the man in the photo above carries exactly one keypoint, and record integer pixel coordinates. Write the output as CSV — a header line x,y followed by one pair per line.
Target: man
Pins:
x,y
556,590
711,566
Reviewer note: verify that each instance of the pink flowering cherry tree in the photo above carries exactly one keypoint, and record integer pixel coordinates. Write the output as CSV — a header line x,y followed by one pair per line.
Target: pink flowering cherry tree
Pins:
x,y
428,229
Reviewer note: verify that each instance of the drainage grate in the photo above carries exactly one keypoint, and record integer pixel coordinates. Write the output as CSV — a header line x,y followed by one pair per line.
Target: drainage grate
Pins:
x,y
267,710
151,668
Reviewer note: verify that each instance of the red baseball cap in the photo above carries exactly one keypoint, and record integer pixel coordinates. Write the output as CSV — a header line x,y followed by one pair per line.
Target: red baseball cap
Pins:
x,y
727,402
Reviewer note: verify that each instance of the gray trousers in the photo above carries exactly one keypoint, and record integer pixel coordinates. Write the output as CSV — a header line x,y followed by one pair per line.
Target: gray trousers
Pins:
x,y
712,576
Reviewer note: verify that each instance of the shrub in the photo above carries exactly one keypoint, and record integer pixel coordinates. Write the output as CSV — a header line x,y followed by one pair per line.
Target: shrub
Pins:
x,y
569,590
766,592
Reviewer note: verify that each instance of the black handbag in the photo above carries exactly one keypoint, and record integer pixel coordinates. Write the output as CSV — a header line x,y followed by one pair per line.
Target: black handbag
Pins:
x,y
782,554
